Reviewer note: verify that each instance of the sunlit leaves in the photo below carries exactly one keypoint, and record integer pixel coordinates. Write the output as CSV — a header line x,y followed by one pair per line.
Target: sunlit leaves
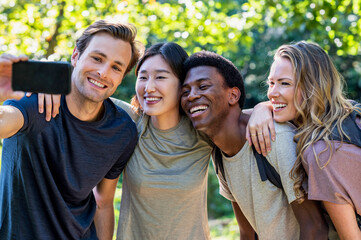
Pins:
x,y
247,32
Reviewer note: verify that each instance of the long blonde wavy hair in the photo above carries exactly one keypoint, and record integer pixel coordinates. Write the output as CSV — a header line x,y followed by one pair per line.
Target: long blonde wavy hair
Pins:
x,y
323,103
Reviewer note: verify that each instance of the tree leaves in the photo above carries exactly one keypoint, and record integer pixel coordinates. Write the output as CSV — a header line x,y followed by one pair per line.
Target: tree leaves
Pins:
x,y
246,32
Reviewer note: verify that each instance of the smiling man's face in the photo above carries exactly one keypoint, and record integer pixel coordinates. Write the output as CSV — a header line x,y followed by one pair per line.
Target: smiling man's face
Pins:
x,y
99,70
204,98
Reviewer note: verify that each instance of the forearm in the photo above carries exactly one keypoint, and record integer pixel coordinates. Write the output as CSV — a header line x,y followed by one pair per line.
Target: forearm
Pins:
x,y
316,232
344,218
104,215
311,221
104,222
246,231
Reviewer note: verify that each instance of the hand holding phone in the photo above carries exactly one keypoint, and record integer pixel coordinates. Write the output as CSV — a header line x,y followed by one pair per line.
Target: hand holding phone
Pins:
x,y
6,91
42,77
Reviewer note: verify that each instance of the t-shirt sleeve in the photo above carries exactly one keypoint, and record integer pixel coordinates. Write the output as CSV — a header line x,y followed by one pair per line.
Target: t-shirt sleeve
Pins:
x,y
120,164
223,186
128,108
286,157
28,107
334,179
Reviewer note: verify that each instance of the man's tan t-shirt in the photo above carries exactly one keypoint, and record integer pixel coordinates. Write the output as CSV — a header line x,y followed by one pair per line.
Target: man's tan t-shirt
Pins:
x,y
266,207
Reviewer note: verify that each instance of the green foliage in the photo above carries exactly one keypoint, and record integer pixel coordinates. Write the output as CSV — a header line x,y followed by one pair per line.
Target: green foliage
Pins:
x,y
224,228
218,206
246,32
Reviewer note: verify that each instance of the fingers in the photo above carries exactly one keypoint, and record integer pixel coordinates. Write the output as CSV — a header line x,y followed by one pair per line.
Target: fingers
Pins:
x,y
261,143
56,104
254,139
40,102
260,138
248,136
52,105
271,127
28,94
48,106
266,148
13,58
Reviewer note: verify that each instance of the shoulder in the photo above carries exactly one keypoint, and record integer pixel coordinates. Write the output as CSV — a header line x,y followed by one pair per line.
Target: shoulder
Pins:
x,y
28,107
321,154
283,149
119,117
285,127
284,134
132,111
116,109
23,103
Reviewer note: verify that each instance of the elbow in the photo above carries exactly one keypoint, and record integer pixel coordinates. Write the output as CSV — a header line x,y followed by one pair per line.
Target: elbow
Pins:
x,y
103,201
101,205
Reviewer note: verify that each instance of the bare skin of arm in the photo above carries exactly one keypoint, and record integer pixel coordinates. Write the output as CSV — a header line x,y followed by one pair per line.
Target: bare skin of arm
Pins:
x,y
104,216
260,128
246,231
11,119
344,218
311,221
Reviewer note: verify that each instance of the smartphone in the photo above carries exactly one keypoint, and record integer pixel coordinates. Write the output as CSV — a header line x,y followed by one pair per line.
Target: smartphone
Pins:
x,y
42,77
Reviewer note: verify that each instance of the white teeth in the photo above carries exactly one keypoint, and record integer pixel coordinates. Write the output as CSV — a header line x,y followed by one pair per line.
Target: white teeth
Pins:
x,y
152,98
96,83
277,106
197,108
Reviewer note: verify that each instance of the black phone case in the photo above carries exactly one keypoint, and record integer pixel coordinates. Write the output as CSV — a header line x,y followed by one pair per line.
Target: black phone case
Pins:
x,y
42,77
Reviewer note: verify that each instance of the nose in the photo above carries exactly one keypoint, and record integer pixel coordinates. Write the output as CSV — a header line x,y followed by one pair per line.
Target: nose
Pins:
x,y
150,85
103,72
193,94
273,91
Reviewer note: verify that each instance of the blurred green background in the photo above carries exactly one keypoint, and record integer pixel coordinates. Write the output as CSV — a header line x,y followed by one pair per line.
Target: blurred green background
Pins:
x,y
246,32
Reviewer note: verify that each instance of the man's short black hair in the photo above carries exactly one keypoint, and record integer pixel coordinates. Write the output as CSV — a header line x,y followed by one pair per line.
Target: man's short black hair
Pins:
x,y
226,68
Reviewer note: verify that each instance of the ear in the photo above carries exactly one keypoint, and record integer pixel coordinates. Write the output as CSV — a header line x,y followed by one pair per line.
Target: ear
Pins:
x,y
233,95
74,57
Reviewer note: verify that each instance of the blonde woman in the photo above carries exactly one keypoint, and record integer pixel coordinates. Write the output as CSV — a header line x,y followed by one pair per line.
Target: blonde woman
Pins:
x,y
306,89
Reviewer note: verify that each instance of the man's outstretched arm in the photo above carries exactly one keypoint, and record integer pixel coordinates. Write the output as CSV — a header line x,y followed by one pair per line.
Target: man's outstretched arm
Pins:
x,y
11,119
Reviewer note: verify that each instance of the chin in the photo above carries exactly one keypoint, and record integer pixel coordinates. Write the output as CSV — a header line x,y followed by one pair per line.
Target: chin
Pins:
x,y
200,126
281,119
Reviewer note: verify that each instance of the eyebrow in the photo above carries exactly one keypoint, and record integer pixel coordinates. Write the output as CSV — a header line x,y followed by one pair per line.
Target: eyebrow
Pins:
x,y
105,56
198,81
157,71
283,78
